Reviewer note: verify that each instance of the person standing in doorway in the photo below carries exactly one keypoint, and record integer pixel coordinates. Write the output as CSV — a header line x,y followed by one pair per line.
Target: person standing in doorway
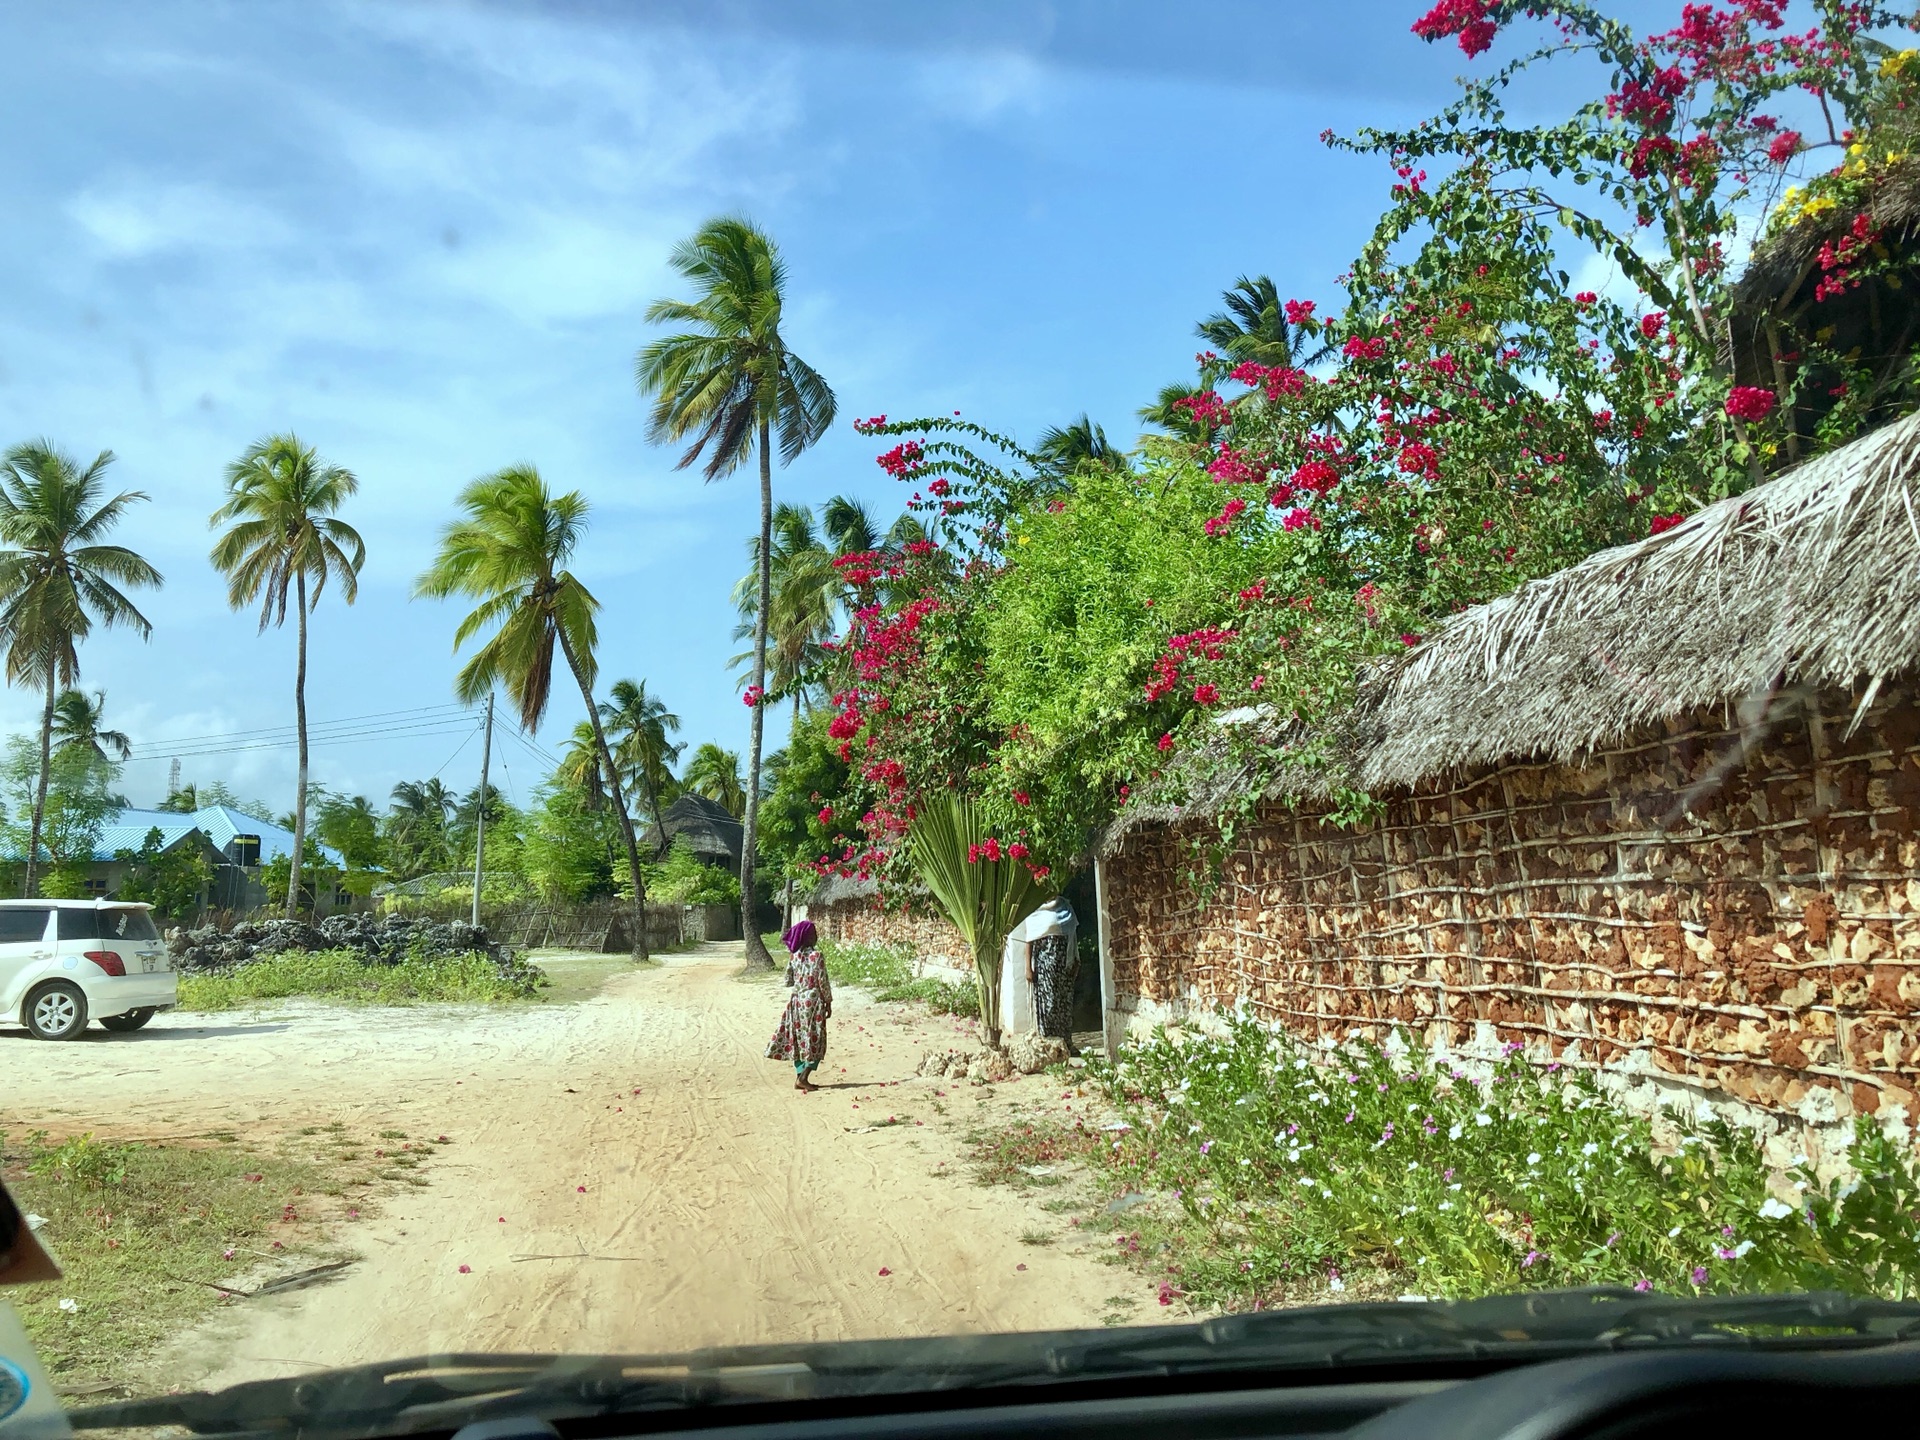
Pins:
x,y
802,1036
1051,935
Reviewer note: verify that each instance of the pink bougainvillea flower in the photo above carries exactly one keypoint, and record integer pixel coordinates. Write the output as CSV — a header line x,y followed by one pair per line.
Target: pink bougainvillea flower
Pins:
x,y
226,1254
1650,324
1661,523
353,1212
885,1271
1783,147
466,1269
1750,402
1021,1266
580,1189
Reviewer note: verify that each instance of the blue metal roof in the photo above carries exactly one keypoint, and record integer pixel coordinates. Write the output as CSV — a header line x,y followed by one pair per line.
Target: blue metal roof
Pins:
x,y
219,823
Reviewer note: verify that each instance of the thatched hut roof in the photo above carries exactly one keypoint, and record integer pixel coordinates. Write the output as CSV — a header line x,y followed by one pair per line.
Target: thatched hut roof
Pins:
x,y
1874,322
709,829
1812,579
842,890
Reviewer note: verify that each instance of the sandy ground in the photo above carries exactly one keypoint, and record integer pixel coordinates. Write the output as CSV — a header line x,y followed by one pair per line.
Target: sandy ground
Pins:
x,y
627,1173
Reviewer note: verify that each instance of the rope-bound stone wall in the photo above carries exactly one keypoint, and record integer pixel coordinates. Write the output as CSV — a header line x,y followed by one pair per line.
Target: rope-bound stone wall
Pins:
x,y
1729,907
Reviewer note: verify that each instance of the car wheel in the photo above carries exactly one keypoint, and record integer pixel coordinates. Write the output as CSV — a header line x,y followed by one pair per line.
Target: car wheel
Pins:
x,y
56,1011
132,1020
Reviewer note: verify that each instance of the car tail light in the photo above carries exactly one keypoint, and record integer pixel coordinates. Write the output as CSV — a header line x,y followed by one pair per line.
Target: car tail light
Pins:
x,y
107,961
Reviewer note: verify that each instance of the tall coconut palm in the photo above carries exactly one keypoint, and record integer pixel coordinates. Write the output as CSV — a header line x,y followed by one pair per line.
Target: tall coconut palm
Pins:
x,y
81,723
1254,327
726,382
509,553
579,766
715,773
1065,448
56,580
283,536
639,725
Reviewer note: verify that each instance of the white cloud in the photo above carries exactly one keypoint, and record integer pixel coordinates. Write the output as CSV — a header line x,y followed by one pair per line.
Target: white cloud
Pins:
x,y
130,218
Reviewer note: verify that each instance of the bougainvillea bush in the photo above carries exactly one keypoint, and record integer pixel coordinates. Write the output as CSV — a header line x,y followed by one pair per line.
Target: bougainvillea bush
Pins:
x,y
1289,1165
1476,417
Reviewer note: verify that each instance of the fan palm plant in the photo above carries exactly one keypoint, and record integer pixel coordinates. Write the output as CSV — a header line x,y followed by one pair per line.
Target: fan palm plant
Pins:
x,y
56,581
80,723
984,898
509,553
725,382
282,534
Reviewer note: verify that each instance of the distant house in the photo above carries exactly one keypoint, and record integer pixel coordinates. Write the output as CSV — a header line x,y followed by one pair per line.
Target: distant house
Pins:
x,y
238,846
706,827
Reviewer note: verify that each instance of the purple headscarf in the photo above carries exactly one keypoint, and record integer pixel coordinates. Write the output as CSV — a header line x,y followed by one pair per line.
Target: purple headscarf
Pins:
x,y
800,936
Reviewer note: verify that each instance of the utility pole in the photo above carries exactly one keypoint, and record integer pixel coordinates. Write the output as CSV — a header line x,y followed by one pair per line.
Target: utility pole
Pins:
x,y
480,812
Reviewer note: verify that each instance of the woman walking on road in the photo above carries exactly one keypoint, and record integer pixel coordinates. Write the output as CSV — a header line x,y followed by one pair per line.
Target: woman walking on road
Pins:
x,y
802,1036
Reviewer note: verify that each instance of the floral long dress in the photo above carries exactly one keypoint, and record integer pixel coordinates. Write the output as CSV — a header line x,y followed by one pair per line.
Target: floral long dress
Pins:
x,y
802,1036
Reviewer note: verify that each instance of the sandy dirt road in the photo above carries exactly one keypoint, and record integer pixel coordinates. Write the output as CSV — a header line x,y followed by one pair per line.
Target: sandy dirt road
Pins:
x,y
627,1173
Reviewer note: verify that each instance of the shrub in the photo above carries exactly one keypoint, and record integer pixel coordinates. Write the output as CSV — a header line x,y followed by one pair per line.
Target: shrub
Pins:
x,y
1287,1161
868,963
346,975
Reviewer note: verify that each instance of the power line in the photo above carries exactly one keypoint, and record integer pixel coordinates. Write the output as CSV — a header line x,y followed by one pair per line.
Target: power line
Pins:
x,y
160,748
456,751
444,725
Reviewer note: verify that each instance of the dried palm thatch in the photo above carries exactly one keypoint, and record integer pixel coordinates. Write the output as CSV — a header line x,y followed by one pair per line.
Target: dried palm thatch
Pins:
x,y
1856,341
708,828
1811,579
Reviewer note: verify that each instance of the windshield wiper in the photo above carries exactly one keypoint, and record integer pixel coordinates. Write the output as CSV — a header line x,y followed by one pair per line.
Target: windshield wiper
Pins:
x,y
446,1391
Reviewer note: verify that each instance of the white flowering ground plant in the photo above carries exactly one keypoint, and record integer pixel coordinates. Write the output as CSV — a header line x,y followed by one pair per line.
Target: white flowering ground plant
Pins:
x,y
1290,1163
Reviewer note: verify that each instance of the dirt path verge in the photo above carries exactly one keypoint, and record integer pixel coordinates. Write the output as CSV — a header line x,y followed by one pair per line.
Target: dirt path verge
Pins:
x,y
625,1173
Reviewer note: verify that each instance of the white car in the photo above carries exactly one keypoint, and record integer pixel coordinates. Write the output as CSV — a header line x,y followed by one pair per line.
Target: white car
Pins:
x,y
63,962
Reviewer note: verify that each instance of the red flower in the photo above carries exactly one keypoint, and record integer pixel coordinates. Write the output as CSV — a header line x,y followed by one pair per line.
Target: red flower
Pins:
x,y
1295,518
752,696
1299,312
1662,523
1784,146
1206,408
1602,419
1464,18
826,814
1223,522
1017,851
1165,742
1364,349
1750,402
1206,694
902,459
1650,324
1585,297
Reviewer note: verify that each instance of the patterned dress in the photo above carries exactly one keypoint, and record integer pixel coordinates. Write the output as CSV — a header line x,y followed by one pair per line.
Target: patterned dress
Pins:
x,y
802,1036
1054,969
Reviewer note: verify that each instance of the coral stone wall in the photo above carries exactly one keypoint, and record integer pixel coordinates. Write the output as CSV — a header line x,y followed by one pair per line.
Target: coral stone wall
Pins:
x,y
1730,912
861,921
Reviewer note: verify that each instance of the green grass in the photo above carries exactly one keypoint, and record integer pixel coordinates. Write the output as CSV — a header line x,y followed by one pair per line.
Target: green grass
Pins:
x,y
1277,1171
887,970
574,976
341,975
144,1231
1008,1157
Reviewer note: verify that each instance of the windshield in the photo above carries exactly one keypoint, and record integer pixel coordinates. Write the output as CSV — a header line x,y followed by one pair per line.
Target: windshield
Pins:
x,y
954,671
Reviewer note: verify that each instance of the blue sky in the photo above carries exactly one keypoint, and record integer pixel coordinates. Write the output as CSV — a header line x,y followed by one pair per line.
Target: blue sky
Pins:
x,y
422,236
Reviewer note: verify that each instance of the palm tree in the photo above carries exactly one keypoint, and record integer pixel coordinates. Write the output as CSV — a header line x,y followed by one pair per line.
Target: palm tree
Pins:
x,y
56,579
804,591
715,773
642,722
80,722
724,381
282,534
1254,327
1177,420
417,823
1064,449
579,767
508,554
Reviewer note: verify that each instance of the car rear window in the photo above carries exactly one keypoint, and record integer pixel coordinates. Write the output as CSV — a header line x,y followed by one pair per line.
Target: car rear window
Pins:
x,y
23,923
127,925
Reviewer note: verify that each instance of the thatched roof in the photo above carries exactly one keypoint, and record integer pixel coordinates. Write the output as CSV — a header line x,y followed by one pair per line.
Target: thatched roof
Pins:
x,y
1811,579
1873,321
708,828
842,890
